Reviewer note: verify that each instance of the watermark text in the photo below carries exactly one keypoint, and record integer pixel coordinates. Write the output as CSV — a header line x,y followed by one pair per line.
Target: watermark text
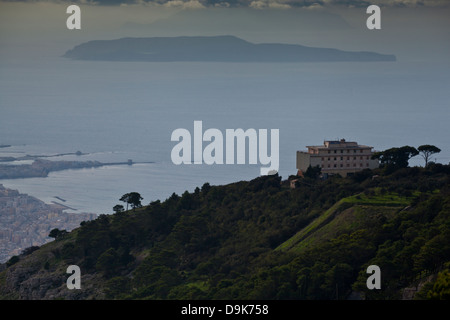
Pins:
x,y
231,151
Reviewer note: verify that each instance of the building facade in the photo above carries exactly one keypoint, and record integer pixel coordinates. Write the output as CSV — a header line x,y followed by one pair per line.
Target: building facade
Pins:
x,y
337,157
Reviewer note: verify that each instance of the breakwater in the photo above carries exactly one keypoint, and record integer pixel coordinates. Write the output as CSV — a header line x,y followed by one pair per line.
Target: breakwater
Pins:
x,y
41,168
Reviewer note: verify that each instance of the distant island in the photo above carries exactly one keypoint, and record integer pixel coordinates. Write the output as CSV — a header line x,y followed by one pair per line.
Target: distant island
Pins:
x,y
212,49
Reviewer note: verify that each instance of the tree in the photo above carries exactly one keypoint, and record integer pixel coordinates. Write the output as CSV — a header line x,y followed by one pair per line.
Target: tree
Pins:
x,y
313,172
206,187
29,250
441,288
118,208
110,261
132,198
396,158
426,151
56,233
12,260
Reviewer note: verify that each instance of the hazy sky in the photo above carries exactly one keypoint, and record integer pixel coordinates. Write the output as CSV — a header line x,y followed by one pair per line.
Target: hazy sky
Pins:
x,y
411,29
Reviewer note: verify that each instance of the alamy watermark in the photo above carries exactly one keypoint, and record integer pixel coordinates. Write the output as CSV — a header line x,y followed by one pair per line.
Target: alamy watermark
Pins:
x,y
189,149
73,22
374,21
374,281
74,281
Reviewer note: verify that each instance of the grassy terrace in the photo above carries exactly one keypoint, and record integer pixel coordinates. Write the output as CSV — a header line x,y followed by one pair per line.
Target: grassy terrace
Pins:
x,y
346,215
379,199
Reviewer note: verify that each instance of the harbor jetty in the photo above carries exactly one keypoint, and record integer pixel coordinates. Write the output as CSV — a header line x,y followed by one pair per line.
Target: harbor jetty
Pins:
x,y
41,167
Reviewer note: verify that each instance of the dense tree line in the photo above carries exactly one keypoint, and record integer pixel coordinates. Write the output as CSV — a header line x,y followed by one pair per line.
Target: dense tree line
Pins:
x,y
220,242
396,158
227,242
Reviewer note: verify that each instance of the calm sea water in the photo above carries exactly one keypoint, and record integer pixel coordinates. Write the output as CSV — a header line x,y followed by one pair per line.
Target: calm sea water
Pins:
x,y
120,111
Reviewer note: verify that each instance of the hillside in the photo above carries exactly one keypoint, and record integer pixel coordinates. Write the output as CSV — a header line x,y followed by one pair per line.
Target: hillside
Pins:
x,y
212,49
258,239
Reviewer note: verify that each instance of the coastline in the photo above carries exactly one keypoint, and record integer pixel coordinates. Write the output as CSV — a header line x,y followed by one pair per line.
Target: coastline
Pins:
x,y
26,221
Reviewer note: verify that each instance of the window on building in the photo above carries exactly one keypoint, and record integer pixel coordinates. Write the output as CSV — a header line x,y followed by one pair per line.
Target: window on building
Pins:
x,y
348,165
335,165
342,158
342,151
342,165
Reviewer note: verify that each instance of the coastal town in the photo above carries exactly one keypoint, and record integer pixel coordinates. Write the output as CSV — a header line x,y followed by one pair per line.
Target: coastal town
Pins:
x,y
26,221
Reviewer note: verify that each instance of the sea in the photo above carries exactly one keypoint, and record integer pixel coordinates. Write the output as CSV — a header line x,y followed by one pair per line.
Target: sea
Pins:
x,y
115,111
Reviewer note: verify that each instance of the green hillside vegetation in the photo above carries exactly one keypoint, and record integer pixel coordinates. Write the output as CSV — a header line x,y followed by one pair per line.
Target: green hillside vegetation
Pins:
x,y
258,239
350,213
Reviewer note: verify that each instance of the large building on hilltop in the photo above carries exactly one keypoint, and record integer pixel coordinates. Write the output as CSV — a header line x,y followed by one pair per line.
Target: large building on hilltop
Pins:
x,y
337,157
